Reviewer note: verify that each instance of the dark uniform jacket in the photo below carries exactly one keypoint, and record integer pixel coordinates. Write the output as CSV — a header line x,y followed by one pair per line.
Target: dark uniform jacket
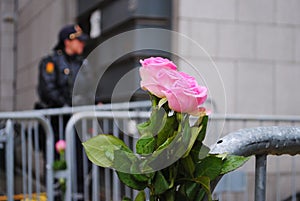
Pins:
x,y
57,73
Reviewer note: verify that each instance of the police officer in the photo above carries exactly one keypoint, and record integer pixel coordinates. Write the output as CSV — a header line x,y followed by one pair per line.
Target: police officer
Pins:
x,y
57,72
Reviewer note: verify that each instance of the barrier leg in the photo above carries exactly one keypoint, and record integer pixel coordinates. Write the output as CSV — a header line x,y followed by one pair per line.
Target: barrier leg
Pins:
x,y
260,177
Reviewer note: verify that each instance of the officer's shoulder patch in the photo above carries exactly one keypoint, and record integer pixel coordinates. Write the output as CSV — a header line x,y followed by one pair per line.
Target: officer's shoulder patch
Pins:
x,y
50,67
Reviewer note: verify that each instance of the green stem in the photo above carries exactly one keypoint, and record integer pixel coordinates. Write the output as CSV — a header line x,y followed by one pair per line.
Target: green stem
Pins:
x,y
152,196
154,100
62,155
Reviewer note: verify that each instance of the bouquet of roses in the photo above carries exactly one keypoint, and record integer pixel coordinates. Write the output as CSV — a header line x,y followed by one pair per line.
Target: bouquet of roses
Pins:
x,y
171,159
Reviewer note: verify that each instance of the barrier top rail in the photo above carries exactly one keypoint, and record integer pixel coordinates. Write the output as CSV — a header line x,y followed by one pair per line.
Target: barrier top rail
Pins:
x,y
260,141
273,140
141,105
256,117
71,110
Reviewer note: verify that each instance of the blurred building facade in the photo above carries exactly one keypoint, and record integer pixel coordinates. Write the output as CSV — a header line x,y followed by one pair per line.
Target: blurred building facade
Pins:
x,y
28,32
254,44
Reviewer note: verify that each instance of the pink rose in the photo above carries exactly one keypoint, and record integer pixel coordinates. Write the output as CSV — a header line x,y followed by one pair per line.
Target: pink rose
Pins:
x,y
161,78
186,96
151,73
158,80
158,62
60,146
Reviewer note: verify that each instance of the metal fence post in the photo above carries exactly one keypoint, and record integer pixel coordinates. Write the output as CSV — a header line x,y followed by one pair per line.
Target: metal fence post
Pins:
x,y
9,159
260,177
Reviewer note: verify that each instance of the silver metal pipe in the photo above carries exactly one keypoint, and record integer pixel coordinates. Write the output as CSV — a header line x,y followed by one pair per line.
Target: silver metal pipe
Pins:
x,y
260,177
260,141
273,140
9,159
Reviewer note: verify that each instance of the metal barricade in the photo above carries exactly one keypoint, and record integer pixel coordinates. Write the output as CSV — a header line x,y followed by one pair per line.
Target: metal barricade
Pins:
x,y
103,184
28,180
261,142
283,174
108,180
30,126
118,123
7,140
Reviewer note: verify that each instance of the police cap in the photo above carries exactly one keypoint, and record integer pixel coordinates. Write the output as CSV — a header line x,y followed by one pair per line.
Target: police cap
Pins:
x,y
70,32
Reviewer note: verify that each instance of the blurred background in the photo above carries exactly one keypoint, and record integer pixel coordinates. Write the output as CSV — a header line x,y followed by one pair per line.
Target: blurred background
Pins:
x,y
254,44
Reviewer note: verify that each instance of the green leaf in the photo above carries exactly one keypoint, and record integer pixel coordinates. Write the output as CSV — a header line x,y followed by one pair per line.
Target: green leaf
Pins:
x,y
141,196
130,181
125,161
209,167
160,183
169,195
195,148
100,149
233,162
205,183
191,189
168,130
193,134
202,121
203,152
170,151
155,123
180,193
59,165
164,145
142,177
126,199
145,145
188,165
200,195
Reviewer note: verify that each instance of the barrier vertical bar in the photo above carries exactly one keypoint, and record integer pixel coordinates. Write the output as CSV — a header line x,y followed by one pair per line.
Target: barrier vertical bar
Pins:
x,y
278,189
49,157
95,169
260,177
69,151
85,171
60,127
116,181
106,170
24,151
294,190
9,159
29,130
37,159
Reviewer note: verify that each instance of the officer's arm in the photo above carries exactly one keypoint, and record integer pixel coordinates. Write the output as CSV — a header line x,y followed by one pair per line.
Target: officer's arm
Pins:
x,y
48,89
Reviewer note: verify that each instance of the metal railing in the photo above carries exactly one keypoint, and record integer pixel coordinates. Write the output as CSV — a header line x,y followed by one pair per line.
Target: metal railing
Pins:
x,y
118,123
27,161
113,119
261,142
6,138
283,174
34,178
119,119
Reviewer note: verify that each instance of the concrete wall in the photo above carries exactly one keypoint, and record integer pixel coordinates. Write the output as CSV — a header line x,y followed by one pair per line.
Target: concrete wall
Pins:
x,y
38,25
6,55
256,47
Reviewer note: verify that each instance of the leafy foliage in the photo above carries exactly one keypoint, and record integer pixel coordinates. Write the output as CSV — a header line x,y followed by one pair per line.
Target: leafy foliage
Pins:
x,y
167,135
